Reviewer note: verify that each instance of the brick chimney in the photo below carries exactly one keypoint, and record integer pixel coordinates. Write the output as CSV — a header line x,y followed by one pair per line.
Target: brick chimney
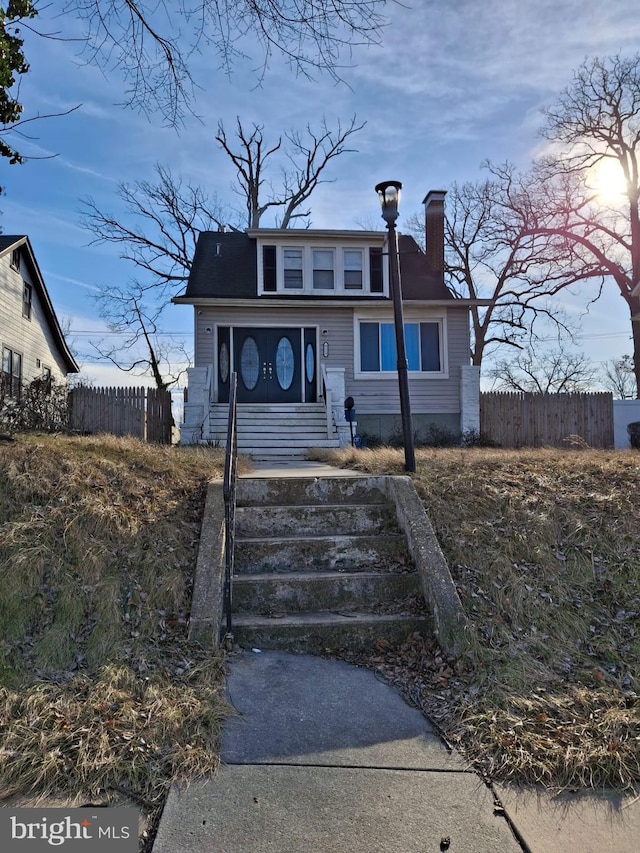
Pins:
x,y
434,229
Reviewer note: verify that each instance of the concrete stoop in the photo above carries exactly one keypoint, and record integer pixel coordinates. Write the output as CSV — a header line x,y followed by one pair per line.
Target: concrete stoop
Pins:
x,y
274,431
321,564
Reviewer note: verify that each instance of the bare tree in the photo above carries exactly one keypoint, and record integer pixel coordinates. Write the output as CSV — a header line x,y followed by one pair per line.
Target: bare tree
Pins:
x,y
595,122
141,346
620,378
491,254
551,372
165,218
163,222
306,157
152,44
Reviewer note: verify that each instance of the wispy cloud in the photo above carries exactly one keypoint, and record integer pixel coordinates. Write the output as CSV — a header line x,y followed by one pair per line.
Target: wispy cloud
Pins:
x,y
52,275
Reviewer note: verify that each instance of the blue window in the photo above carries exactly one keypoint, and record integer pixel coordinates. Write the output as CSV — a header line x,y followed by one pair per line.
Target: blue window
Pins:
x,y
378,347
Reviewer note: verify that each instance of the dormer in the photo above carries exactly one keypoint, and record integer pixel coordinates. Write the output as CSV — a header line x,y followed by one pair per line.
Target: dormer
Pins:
x,y
296,262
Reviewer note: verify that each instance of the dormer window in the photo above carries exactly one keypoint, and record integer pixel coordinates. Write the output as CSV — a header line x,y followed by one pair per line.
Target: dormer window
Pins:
x,y
322,269
353,265
342,270
293,278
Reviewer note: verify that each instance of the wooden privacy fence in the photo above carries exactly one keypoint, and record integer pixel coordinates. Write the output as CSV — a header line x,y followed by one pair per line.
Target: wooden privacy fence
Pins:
x,y
537,420
141,412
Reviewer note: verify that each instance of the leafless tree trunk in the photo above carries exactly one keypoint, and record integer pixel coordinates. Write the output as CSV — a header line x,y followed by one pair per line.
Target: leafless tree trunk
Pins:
x,y
140,346
307,156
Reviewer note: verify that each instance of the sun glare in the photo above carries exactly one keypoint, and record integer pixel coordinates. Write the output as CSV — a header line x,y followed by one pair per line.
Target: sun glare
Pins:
x,y
607,179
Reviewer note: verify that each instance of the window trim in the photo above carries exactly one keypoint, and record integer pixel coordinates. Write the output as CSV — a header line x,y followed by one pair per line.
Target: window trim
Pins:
x,y
377,375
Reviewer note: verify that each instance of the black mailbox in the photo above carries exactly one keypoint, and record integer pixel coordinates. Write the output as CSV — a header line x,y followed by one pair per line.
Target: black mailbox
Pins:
x,y
349,415
349,411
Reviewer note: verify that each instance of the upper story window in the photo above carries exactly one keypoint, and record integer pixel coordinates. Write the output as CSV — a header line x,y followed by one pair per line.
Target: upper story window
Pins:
x,y
353,261
329,271
292,267
15,259
27,298
323,269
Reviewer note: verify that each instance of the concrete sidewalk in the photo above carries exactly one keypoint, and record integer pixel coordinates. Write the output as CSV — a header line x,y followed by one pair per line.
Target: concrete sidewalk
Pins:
x,y
324,757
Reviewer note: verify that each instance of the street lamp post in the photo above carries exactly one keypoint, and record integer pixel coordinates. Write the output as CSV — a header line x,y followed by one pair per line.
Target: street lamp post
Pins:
x,y
389,195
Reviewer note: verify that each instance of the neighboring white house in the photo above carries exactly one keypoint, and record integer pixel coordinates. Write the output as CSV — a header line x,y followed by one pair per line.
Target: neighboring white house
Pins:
x,y
305,318
33,345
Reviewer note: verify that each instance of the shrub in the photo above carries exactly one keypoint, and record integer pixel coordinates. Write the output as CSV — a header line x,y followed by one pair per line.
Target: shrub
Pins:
x,y
42,407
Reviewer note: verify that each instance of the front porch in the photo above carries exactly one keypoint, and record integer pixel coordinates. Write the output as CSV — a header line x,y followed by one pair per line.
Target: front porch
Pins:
x,y
267,430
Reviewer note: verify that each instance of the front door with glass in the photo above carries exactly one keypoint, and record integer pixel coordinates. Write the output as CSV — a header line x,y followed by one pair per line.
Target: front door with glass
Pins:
x,y
269,365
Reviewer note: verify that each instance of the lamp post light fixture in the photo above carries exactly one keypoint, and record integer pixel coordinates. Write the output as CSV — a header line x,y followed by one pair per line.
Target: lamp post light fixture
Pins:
x,y
389,195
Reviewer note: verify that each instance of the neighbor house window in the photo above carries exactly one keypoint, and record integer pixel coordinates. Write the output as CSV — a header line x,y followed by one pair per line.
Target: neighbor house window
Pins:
x,y
15,259
322,269
293,269
352,259
11,378
27,296
378,347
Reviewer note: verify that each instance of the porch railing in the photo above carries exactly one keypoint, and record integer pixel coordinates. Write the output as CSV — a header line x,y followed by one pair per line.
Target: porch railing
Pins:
x,y
229,493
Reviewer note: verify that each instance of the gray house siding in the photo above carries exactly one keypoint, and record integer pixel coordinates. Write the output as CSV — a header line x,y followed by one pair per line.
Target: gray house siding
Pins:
x,y
337,323
30,338
433,400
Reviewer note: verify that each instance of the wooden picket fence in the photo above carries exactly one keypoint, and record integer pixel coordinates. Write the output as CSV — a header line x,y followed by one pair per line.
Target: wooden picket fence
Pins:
x,y
547,420
141,412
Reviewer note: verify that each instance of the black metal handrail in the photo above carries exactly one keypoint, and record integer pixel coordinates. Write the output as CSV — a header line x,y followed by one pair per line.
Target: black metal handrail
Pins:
x,y
229,493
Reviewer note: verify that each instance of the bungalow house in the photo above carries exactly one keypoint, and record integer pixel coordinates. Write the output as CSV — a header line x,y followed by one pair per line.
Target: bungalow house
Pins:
x,y
305,318
33,346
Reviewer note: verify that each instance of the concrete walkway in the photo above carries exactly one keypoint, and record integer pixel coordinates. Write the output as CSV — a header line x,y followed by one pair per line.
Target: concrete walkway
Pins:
x,y
322,757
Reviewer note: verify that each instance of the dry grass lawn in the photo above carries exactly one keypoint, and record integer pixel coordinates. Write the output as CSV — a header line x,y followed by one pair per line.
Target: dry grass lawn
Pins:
x,y
544,549
101,697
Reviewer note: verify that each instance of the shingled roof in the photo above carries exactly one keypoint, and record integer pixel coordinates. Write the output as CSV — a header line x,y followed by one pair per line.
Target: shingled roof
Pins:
x,y
225,267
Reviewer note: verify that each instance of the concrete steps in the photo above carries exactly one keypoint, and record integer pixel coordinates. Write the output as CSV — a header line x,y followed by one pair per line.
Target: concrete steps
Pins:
x,y
321,564
268,431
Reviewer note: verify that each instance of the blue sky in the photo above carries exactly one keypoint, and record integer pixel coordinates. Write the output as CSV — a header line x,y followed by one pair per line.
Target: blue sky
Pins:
x,y
451,85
